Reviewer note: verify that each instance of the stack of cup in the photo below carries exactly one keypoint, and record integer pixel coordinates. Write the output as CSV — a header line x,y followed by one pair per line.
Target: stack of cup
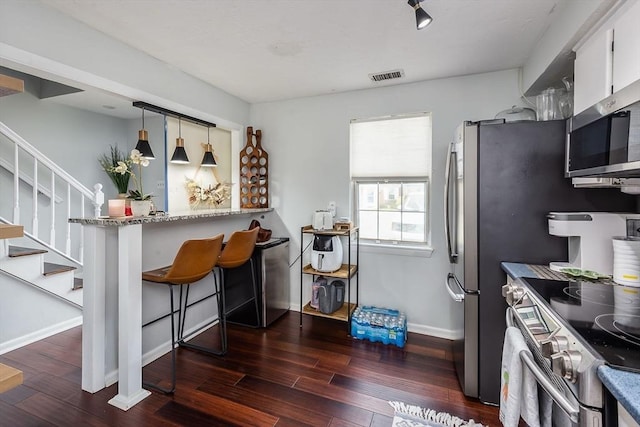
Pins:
x,y
117,207
626,260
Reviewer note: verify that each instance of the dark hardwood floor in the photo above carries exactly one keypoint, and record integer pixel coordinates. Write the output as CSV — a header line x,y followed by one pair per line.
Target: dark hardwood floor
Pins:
x,y
279,376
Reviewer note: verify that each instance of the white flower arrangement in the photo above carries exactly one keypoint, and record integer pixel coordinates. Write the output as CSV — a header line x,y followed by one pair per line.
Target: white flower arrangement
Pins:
x,y
207,197
123,167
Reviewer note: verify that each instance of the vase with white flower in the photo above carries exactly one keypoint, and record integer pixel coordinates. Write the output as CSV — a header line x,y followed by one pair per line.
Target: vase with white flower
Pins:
x,y
140,202
110,164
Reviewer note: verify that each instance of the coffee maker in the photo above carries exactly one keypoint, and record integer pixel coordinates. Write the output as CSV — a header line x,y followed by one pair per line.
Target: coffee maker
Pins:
x,y
589,235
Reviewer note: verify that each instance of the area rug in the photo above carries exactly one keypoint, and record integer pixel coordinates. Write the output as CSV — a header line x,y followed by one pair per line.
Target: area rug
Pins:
x,y
415,416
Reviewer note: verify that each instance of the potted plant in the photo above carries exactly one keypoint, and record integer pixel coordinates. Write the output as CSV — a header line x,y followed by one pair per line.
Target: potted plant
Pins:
x,y
140,202
110,162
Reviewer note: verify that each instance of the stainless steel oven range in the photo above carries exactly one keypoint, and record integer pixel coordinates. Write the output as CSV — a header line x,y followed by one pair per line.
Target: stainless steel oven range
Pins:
x,y
572,328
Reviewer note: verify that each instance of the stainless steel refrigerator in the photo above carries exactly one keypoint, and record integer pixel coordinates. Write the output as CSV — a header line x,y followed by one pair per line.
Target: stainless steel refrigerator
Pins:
x,y
502,179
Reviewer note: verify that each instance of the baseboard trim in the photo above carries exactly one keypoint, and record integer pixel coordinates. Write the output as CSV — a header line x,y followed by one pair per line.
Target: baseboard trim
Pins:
x,y
40,334
419,329
434,332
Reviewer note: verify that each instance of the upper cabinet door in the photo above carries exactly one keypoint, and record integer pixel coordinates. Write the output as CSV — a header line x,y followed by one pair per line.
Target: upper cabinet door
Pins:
x,y
593,71
626,55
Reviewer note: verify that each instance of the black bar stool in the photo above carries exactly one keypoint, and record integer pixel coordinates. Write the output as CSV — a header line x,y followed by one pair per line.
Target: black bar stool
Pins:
x,y
194,261
237,252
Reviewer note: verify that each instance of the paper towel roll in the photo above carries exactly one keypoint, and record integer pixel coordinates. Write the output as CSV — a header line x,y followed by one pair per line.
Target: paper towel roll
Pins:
x,y
626,260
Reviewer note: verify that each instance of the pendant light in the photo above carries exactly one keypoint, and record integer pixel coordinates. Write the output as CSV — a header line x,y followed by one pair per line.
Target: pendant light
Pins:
x,y
208,160
422,18
179,154
143,142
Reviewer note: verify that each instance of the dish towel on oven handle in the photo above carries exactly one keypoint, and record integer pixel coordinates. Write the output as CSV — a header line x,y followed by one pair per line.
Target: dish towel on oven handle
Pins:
x,y
518,386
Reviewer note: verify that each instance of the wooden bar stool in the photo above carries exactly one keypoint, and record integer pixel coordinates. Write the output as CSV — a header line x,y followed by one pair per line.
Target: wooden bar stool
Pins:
x,y
194,261
237,251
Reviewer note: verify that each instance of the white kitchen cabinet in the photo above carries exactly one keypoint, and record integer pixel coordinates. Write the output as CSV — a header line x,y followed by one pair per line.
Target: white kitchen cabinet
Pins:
x,y
592,71
609,59
626,54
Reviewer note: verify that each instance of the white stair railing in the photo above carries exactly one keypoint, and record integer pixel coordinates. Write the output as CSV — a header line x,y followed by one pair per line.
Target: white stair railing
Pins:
x,y
77,196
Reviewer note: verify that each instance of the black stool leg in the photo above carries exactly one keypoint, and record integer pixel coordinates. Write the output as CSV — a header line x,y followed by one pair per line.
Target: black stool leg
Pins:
x,y
223,310
173,352
223,332
183,311
254,284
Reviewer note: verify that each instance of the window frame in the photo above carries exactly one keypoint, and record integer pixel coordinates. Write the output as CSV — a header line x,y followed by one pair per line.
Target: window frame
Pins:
x,y
355,183
395,247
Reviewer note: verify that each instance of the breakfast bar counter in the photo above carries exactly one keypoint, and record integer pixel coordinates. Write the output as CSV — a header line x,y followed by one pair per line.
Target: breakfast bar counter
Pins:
x,y
167,217
116,251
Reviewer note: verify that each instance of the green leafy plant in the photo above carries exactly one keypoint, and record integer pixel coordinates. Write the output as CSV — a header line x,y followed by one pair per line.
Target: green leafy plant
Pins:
x,y
110,162
125,168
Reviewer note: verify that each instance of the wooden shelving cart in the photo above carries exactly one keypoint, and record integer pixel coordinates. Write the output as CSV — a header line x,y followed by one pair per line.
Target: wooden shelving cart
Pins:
x,y
346,272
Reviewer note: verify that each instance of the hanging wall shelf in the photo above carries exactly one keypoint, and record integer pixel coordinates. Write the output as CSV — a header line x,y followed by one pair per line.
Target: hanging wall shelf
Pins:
x,y
254,172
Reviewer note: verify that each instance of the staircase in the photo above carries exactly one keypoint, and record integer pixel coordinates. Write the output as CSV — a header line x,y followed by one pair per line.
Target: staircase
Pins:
x,y
41,292
28,264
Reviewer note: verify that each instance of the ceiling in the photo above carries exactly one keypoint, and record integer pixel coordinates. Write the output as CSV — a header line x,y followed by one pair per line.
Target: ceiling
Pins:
x,y
262,51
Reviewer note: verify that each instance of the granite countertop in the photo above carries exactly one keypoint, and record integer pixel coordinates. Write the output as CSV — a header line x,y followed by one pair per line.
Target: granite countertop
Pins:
x,y
623,385
168,217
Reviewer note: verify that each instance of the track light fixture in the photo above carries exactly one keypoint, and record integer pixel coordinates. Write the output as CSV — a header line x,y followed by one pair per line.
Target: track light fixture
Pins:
x,y
422,18
143,142
179,154
208,160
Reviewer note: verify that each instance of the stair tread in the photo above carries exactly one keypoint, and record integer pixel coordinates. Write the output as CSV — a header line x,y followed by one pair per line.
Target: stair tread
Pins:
x,y
51,268
16,251
78,283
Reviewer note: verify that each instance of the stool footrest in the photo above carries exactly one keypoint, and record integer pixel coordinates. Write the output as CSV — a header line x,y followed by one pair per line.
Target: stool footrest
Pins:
x,y
182,341
158,388
203,349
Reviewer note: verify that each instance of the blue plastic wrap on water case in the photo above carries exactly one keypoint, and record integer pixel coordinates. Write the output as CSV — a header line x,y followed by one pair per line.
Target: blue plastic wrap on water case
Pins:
x,y
379,324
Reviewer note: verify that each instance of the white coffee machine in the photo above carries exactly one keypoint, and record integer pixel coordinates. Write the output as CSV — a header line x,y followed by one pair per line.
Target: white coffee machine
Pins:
x,y
589,233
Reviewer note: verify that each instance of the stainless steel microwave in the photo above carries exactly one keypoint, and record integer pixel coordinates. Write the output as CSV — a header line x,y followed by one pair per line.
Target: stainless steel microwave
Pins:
x,y
604,140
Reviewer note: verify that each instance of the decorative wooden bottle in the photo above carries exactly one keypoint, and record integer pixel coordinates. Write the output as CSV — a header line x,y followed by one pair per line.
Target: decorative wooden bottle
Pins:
x,y
254,172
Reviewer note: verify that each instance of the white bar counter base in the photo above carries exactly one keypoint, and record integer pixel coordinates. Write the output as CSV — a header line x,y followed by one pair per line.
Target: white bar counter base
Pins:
x,y
130,389
129,302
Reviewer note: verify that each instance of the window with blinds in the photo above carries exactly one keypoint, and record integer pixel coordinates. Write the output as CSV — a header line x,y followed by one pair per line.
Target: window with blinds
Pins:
x,y
390,171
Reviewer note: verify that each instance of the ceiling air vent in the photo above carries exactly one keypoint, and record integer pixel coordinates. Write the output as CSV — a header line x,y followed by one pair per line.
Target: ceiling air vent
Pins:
x,y
387,75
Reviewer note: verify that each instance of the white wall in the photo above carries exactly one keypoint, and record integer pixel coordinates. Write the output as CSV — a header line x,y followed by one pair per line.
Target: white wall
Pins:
x,y
194,137
22,323
70,137
308,144
552,58
307,139
38,38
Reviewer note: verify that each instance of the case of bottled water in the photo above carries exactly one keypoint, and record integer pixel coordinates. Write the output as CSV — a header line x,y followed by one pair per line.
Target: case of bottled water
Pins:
x,y
379,324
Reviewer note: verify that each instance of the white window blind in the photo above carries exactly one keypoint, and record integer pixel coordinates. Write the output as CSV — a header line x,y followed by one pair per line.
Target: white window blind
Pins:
x,y
398,146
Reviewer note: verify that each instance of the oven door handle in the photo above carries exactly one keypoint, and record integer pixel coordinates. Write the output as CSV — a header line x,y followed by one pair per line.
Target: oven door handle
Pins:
x,y
572,410
565,404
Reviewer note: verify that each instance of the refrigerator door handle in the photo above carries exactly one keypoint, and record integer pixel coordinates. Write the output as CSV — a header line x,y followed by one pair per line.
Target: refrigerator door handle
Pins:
x,y
450,165
454,296
464,291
